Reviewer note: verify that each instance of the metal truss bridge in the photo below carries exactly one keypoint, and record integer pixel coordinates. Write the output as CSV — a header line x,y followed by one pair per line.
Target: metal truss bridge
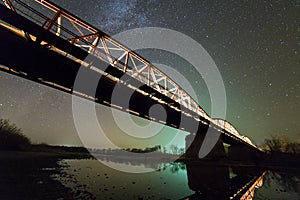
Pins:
x,y
59,31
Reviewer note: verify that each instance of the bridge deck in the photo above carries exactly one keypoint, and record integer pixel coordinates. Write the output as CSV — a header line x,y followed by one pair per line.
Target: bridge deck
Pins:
x,y
53,61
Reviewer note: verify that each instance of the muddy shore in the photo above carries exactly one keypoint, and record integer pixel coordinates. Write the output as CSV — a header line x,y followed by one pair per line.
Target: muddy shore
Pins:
x,y
29,175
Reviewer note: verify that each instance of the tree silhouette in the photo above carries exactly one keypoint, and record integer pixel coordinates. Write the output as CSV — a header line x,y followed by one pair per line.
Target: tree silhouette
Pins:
x,y
11,137
280,143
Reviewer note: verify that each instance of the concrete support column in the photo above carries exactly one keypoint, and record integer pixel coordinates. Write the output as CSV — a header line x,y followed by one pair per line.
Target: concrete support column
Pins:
x,y
194,143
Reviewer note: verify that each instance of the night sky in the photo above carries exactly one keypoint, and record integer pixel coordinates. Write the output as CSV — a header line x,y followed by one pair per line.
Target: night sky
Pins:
x,y
255,45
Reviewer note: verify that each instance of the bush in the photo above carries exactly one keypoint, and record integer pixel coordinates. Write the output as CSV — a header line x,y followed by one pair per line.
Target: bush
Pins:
x,y
280,143
11,137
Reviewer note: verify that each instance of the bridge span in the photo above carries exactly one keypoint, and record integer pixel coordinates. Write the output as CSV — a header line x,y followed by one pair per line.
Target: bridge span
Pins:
x,y
46,44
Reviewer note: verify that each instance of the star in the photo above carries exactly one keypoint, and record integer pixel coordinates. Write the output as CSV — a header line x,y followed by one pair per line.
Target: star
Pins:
x,y
255,46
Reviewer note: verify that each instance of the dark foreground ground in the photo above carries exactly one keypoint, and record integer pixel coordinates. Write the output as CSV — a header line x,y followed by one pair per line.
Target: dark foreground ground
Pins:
x,y
27,175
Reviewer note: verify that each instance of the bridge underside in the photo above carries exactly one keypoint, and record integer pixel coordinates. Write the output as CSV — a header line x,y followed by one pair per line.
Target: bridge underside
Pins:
x,y
41,63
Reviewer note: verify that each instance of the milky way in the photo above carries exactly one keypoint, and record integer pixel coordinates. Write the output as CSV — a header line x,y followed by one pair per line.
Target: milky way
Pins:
x,y
255,44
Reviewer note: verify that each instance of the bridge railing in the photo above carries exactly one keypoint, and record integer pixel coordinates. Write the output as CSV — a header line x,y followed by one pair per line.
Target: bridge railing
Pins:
x,y
225,125
94,41
81,34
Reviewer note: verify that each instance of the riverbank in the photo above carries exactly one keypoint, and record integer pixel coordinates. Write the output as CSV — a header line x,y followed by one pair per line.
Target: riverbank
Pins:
x,y
37,173
28,175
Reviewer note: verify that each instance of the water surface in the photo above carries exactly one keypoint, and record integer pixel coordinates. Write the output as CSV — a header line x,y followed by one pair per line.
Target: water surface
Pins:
x,y
91,179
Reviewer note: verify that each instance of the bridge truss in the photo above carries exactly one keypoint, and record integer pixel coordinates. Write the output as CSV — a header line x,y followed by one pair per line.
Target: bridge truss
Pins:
x,y
97,43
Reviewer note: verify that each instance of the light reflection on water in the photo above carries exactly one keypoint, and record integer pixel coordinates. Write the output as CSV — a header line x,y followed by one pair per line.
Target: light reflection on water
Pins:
x,y
280,185
90,179
107,183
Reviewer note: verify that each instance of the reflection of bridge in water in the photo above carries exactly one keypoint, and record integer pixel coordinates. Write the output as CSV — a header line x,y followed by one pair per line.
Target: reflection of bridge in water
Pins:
x,y
47,44
206,179
223,182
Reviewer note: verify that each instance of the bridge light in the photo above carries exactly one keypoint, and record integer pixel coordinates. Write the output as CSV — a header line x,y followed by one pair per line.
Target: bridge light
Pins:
x,y
163,122
197,119
174,125
132,112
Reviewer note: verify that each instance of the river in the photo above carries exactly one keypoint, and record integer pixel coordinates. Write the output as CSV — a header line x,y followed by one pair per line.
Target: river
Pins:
x,y
105,179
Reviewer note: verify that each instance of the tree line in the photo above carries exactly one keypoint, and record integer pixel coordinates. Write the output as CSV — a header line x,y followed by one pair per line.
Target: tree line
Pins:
x,y
12,137
281,143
